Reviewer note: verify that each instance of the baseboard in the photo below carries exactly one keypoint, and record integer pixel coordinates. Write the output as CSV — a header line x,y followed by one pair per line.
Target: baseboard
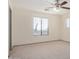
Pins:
x,y
41,42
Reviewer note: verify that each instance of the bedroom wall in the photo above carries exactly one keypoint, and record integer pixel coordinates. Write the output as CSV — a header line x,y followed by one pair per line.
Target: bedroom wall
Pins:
x,y
65,31
22,27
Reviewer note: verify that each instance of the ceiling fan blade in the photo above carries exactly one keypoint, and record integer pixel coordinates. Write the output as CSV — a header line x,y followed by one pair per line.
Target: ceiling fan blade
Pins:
x,y
65,7
48,8
57,4
57,1
63,3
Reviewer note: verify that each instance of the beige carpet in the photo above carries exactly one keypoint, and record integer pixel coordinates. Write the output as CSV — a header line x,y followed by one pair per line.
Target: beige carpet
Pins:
x,y
50,50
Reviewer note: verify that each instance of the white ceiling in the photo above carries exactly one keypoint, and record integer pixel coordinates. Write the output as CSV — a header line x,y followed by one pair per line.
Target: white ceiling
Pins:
x,y
38,5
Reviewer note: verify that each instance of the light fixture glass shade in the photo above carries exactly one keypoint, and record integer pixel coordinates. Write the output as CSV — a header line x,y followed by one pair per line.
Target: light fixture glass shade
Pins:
x,y
56,9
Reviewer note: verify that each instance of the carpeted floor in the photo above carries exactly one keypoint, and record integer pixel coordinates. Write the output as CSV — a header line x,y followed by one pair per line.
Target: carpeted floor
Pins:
x,y
49,50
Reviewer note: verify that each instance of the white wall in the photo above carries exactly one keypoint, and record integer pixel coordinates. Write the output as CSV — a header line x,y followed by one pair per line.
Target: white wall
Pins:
x,y
65,32
22,27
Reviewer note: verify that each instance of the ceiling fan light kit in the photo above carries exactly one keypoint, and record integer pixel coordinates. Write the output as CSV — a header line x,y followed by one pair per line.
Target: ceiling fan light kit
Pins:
x,y
56,9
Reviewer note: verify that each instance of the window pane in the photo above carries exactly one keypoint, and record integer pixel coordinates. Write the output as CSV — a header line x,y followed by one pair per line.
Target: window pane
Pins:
x,y
68,23
36,26
44,26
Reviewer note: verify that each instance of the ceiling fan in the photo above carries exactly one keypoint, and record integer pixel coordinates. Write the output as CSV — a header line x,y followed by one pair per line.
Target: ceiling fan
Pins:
x,y
58,5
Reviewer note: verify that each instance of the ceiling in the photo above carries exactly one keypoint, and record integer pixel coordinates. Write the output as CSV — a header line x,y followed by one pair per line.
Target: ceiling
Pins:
x,y
38,5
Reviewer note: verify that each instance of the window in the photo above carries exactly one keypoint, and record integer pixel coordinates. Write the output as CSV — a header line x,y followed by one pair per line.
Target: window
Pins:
x,y
40,26
67,23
